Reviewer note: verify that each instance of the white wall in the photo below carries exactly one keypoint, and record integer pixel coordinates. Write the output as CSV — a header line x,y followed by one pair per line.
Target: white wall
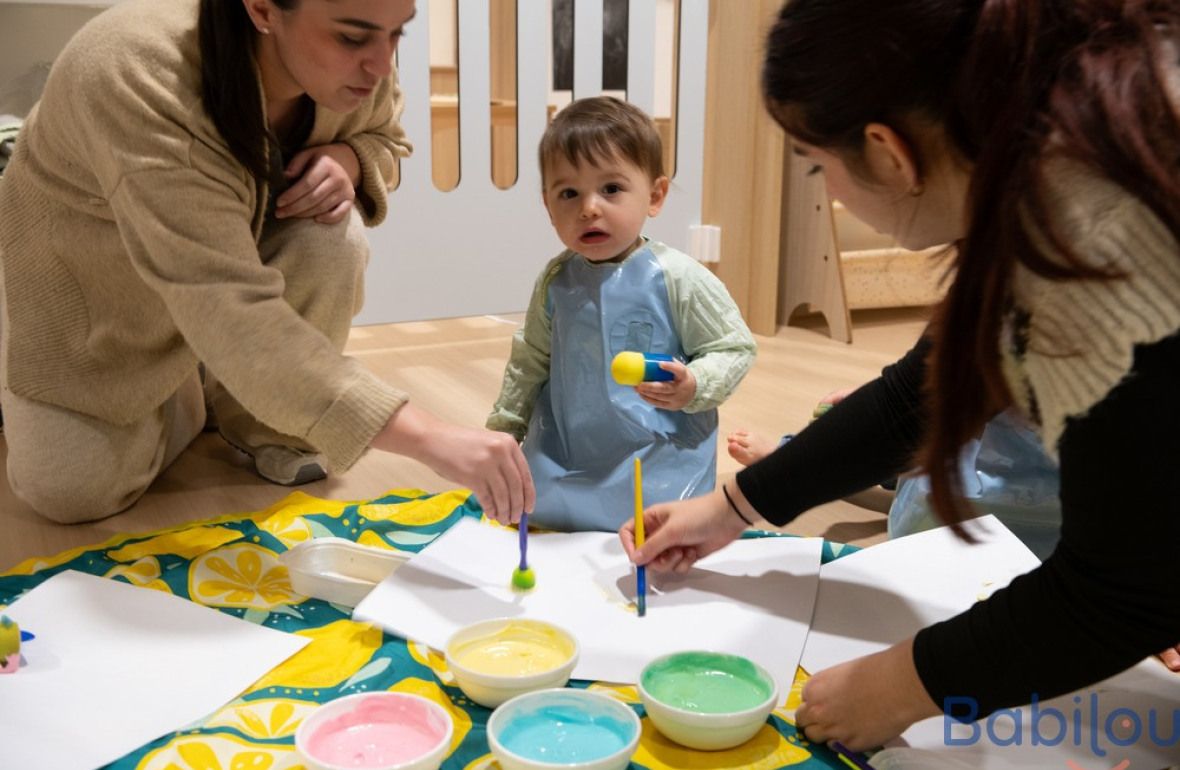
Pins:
x,y
443,46
32,33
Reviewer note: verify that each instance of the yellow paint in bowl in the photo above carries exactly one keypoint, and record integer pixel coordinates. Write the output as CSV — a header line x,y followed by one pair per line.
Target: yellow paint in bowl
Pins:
x,y
515,649
495,660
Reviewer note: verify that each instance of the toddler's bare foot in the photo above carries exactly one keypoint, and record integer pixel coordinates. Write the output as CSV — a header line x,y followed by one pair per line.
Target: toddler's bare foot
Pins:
x,y
748,448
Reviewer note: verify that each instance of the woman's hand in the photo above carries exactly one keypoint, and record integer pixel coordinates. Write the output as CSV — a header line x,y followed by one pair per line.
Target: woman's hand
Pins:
x,y
324,184
680,533
674,394
865,702
487,462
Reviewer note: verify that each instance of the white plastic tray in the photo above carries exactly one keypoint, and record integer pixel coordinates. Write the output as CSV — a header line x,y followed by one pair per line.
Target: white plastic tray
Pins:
x,y
338,570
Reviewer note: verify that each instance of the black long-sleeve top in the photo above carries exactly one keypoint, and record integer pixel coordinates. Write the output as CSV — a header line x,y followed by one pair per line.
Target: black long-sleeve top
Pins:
x,y
1104,600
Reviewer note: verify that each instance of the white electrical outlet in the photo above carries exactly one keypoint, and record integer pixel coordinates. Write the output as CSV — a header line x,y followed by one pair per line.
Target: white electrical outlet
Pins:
x,y
704,243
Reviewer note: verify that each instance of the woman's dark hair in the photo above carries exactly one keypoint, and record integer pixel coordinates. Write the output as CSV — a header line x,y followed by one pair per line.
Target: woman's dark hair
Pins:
x,y
1013,83
229,87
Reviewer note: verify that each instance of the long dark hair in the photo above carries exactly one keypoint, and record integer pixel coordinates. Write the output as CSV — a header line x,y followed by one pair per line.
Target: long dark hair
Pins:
x,y
1013,82
229,88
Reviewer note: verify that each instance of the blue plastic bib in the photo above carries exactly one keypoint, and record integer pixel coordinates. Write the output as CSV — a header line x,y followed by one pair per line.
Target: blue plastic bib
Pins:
x,y
586,429
1006,473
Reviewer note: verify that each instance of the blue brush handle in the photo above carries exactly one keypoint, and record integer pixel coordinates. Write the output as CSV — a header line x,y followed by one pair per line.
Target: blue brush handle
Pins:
x,y
641,578
524,541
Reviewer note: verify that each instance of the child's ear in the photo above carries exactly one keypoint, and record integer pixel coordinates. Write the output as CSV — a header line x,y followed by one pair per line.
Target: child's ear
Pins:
x,y
659,193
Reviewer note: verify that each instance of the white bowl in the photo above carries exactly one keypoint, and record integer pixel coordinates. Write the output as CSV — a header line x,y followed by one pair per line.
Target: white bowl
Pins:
x,y
338,570
495,660
564,728
707,700
377,731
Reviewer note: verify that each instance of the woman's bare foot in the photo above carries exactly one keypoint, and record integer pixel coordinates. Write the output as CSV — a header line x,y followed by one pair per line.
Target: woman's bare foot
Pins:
x,y
748,448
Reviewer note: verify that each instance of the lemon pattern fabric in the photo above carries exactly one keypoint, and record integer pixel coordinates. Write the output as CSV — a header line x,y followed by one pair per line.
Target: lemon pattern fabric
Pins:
x,y
231,564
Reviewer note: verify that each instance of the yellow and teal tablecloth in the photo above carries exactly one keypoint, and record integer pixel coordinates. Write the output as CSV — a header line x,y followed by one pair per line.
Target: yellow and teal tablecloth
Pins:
x,y
231,563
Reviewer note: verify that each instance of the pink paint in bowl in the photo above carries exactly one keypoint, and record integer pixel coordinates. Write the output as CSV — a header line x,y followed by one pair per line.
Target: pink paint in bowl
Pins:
x,y
376,731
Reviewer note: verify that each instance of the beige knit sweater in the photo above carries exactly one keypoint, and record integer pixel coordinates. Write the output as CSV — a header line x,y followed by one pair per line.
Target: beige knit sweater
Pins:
x,y
1067,344
128,238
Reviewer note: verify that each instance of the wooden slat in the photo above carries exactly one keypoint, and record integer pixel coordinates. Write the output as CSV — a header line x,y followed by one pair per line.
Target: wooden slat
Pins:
x,y
743,160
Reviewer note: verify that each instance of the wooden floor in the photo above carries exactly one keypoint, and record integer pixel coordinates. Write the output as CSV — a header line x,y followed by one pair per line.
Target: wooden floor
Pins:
x,y
453,368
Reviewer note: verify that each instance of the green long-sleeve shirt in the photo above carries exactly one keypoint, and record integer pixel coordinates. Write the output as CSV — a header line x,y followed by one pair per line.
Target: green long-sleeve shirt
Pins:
x,y
716,341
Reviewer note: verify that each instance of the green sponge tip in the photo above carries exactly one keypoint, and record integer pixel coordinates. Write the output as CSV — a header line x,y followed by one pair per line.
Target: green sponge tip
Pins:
x,y
523,579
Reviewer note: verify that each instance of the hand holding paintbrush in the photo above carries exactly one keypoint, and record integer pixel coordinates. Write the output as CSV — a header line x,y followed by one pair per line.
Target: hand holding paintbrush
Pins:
x,y
640,572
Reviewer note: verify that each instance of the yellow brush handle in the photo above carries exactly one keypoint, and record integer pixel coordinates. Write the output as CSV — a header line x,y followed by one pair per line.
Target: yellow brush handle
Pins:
x,y
638,502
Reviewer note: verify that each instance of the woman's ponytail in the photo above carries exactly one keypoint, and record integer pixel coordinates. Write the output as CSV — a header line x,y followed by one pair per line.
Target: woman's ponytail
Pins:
x,y
1080,80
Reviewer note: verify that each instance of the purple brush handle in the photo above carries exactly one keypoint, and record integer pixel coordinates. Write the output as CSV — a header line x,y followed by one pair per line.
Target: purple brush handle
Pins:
x,y
852,758
524,541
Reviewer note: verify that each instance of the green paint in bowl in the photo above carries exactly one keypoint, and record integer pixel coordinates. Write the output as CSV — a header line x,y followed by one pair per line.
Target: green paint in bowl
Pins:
x,y
707,683
707,700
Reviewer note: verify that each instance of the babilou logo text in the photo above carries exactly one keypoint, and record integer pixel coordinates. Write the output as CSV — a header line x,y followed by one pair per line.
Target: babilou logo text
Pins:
x,y
1084,725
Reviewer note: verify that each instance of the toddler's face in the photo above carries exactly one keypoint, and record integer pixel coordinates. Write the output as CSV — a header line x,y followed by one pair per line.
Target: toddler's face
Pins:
x,y
599,210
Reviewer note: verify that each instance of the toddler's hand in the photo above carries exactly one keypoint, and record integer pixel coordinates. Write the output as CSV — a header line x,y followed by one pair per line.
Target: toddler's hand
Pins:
x,y
1171,658
836,396
672,394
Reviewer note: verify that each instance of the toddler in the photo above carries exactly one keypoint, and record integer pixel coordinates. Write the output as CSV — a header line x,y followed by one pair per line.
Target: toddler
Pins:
x,y
613,290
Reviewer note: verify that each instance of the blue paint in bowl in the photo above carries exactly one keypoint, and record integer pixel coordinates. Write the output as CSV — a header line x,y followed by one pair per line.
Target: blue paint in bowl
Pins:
x,y
563,728
564,734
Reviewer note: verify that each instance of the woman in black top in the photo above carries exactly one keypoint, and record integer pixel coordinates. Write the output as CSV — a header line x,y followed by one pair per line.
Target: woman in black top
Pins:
x,y
1043,139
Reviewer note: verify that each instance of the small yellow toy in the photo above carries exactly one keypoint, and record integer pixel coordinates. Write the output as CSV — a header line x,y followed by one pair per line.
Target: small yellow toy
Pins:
x,y
632,368
9,645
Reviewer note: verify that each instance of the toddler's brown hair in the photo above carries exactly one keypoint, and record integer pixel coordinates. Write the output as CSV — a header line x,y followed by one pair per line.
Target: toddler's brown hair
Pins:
x,y
602,127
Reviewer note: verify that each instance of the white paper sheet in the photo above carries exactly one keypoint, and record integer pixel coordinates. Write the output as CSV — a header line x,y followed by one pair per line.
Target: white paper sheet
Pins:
x,y
114,666
874,598
754,598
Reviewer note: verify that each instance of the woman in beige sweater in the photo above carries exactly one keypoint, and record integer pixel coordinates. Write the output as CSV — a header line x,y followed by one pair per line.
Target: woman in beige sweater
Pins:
x,y
191,188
